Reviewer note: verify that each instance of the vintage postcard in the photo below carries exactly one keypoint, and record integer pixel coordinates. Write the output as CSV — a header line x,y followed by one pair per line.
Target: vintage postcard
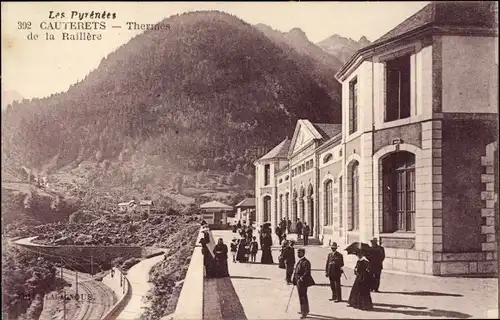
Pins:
x,y
249,160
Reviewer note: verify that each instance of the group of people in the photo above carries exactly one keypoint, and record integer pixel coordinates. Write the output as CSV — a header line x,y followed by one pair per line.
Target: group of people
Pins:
x,y
244,249
215,261
284,228
298,272
367,274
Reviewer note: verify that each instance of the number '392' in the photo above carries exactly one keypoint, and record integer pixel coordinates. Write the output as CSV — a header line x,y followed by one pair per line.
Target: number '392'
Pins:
x,y
24,25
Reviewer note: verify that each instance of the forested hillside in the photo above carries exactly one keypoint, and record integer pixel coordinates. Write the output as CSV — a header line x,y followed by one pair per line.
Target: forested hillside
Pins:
x,y
211,86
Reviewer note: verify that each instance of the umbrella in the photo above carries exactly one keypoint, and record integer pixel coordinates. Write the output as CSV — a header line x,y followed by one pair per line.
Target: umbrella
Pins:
x,y
355,246
369,252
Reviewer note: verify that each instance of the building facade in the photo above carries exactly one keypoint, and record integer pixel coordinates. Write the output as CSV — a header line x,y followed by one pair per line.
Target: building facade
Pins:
x,y
413,162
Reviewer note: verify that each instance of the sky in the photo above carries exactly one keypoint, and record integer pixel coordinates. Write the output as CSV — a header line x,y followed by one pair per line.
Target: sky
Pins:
x,y
39,68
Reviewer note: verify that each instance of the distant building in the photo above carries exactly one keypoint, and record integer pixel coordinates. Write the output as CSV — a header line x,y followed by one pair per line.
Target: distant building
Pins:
x,y
412,163
246,211
215,213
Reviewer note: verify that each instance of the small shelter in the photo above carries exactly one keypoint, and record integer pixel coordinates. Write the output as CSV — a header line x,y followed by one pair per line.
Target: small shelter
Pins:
x,y
215,212
246,211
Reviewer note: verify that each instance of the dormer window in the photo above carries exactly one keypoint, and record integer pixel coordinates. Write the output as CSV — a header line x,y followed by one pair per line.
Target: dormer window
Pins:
x,y
398,87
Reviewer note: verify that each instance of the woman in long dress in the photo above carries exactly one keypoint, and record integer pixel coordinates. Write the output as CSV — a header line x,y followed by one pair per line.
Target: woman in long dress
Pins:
x,y
240,255
208,260
360,297
267,242
220,254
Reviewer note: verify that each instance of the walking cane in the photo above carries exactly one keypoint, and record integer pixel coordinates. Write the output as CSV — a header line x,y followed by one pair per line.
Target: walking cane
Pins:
x,y
289,299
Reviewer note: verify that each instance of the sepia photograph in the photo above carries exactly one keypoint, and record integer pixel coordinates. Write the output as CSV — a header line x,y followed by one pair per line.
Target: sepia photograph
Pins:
x,y
250,160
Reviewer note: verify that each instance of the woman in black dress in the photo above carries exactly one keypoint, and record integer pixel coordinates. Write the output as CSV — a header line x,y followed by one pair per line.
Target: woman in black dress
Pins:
x,y
220,253
240,255
360,297
208,260
267,242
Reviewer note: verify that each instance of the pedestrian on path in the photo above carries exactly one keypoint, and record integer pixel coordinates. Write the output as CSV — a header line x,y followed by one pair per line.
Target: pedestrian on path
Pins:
x,y
333,271
283,225
266,244
289,257
281,258
254,247
298,228
303,280
208,260
360,297
234,249
306,231
220,254
279,233
241,251
377,263
288,225
250,233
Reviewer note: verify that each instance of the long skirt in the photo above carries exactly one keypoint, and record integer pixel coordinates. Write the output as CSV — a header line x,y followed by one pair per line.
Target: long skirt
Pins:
x,y
221,268
210,267
267,257
360,297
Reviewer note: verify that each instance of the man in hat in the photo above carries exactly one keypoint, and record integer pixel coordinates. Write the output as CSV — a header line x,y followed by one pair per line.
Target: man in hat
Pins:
x,y
302,279
377,263
333,271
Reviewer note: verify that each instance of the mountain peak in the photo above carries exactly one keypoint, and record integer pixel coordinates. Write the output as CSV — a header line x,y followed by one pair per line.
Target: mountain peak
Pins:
x,y
342,47
364,41
298,33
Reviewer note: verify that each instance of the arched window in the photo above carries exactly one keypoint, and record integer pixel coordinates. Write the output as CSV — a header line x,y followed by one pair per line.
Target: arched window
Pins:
x,y
281,207
328,203
294,207
354,197
399,192
287,204
267,208
327,158
301,202
310,208
280,181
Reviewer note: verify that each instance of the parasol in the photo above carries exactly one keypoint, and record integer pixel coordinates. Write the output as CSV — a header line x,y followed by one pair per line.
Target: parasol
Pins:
x,y
355,246
368,251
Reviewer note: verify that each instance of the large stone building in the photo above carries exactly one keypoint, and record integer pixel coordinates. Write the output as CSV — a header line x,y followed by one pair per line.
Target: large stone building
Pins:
x,y
412,162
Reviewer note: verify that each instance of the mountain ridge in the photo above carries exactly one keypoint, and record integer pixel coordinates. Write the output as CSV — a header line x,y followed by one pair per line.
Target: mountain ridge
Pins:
x,y
205,95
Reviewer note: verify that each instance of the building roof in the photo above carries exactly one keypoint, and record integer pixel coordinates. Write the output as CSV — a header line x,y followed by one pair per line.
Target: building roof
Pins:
x,y
280,151
216,205
476,14
246,203
461,13
146,202
328,130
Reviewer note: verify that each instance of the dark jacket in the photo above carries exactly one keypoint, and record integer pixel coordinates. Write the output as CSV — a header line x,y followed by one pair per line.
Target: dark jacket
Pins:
x,y
377,259
334,264
306,230
302,273
289,256
299,226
